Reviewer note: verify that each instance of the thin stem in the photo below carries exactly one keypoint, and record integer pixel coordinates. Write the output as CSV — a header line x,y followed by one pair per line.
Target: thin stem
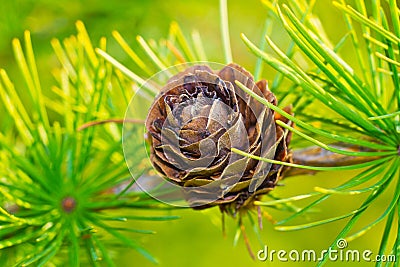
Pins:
x,y
94,123
314,168
246,239
198,46
127,72
223,10
131,53
259,63
385,116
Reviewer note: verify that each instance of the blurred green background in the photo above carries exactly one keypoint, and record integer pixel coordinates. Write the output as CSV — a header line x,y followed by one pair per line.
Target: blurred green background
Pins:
x,y
196,239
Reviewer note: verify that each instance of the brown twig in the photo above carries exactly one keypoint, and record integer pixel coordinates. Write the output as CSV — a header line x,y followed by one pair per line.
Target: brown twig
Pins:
x,y
94,123
317,156
246,239
259,216
175,51
223,224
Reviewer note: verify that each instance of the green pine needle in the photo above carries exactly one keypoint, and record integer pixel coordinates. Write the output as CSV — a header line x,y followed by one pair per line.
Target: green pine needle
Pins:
x,y
353,97
59,186
59,181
